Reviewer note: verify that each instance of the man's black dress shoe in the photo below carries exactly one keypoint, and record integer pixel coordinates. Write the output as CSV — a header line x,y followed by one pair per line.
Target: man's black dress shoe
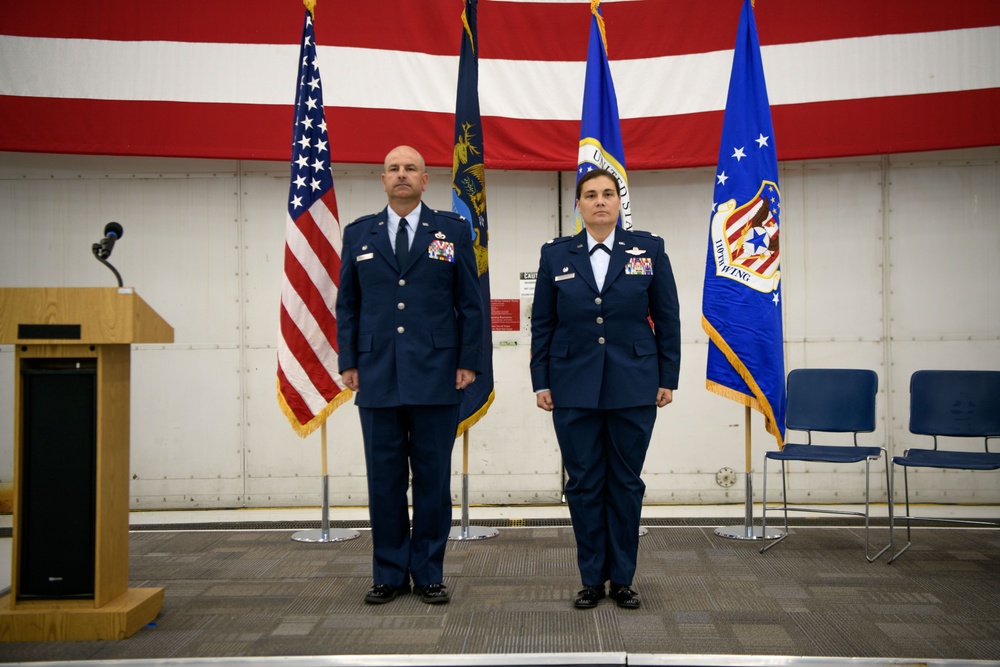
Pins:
x,y
589,597
625,597
382,593
433,593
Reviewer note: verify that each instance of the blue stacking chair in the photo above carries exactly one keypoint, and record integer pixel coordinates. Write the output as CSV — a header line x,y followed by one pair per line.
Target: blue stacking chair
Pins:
x,y
831,400
954,404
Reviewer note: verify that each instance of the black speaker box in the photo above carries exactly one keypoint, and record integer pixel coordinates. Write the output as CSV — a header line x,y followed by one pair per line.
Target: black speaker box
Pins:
x,y
58,479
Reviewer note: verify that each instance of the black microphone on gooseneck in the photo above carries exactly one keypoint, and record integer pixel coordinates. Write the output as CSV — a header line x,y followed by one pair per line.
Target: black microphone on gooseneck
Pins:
x,y
112,232
102,249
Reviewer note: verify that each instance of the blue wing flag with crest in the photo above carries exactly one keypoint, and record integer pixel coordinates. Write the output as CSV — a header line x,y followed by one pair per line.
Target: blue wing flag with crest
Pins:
x,y
741,301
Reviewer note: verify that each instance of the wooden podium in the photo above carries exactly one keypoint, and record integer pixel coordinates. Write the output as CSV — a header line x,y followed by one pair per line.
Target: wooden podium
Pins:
x,y
67,339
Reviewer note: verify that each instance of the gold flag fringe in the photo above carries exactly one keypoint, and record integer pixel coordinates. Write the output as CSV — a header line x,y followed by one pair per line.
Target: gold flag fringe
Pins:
x,y
758,401
471,420
304,430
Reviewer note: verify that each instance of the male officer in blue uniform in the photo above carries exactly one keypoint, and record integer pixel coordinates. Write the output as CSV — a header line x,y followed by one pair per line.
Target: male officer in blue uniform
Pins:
x,y
409,333
602,370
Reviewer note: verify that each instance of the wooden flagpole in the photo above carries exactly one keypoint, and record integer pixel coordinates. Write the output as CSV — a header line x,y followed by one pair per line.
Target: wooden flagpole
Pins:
x,y
748,531
465,531
325,534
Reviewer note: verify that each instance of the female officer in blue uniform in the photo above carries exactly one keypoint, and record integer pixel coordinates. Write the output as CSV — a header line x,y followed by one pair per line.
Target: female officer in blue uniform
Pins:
x,y
602,370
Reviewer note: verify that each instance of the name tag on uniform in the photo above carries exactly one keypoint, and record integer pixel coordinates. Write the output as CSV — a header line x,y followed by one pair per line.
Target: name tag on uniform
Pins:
x,y
639,266
565,276
443,250
361,258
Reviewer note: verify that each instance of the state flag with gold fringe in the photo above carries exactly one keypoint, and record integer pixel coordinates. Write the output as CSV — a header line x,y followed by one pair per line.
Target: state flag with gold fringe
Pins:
x,y
468,196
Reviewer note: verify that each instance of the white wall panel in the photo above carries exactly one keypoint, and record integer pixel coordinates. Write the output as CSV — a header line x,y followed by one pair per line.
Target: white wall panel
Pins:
x,y
203,245
185,428
179,243
831,252
180,250
944,244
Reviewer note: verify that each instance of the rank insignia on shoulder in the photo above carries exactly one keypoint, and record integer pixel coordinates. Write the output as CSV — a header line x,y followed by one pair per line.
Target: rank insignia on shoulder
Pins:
x,y
635,250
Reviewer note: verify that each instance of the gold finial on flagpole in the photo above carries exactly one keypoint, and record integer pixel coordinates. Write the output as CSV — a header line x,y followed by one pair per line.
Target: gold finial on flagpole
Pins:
x,y
311,6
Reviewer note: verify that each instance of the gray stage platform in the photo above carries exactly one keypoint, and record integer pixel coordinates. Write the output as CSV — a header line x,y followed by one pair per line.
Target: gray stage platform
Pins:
x,y
706,600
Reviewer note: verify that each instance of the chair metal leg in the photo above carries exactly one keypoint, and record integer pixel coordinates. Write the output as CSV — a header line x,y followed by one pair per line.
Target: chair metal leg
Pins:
x,y
867,513
784,495
868,555
906,495
763,503
784,499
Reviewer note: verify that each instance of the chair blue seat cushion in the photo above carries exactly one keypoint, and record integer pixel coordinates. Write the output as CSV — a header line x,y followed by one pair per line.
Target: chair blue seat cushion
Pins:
x,y
826,453
936,458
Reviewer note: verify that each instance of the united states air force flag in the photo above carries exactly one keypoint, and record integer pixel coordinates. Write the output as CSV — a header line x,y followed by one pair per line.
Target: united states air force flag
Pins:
x,y
600,130
468,197
741,302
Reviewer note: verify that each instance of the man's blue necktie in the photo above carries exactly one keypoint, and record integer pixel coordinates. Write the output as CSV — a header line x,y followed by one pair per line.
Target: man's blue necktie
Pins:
x,y
402,244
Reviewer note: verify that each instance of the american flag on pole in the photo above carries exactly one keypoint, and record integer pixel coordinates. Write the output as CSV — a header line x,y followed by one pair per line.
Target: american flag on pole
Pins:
x,y
600,128
741,300
309,386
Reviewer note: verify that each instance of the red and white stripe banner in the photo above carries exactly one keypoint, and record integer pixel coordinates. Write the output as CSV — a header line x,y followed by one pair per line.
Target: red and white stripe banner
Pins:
x,y
190,78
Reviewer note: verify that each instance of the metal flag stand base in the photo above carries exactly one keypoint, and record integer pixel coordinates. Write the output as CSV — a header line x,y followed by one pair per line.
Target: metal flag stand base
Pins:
x,y
325,533
748,531
465,531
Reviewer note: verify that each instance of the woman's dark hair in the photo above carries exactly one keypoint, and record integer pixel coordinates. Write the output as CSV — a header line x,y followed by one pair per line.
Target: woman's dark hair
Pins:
x,y
590,175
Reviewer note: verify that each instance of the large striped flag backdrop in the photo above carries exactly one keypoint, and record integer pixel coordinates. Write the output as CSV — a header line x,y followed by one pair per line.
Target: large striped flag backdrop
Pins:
x,y
198,79
309,384
600,128
741,300
468,196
